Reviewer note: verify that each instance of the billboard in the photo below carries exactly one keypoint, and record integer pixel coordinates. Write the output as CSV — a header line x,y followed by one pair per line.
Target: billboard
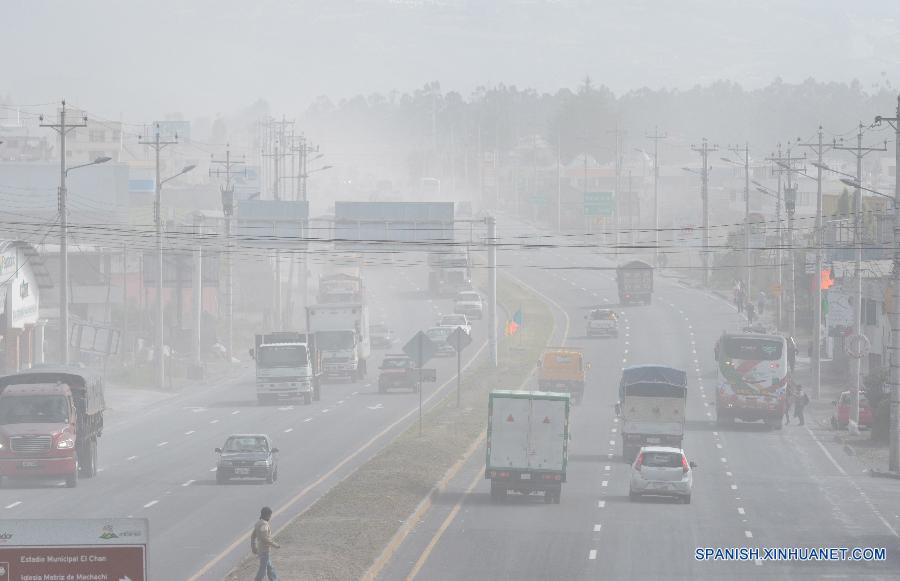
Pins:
x,y
269,223
393,221
74,549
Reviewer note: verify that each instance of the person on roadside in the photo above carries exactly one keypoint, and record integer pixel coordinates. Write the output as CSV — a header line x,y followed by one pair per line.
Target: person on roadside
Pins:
x,y
761,303
751,314
801,400
788,402
261,542
739,297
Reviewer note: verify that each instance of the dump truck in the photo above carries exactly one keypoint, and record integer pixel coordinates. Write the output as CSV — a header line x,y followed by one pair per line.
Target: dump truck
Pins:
x,y
562,369
50,421
527,443
288,367
635,282
652,404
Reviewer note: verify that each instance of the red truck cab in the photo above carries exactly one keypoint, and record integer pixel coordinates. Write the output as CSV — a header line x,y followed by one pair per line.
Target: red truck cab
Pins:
x,y
49,425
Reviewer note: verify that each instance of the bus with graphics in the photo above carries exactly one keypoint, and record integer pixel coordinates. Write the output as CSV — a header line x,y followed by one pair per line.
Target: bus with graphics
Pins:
x,y
753,376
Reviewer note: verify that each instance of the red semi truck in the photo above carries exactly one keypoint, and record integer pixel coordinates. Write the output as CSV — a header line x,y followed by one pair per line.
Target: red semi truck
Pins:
x,y
50,419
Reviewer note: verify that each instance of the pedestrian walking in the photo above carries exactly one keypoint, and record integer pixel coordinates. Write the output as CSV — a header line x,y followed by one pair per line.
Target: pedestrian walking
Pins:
x,y
761,303
750,312
801,400
261,542
788,402
739,298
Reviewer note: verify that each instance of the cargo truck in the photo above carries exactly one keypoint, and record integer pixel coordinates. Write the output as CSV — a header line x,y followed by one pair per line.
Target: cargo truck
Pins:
x,y
562,369
288,367
635,282
50,420
652,404
527,443
342,337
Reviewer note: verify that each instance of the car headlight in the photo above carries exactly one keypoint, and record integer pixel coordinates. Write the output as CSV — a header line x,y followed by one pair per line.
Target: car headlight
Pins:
x,y
65,444
1,445
261,463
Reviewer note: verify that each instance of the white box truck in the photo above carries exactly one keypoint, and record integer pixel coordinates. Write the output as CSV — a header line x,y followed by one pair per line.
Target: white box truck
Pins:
x,y
527,443
287,367
342,337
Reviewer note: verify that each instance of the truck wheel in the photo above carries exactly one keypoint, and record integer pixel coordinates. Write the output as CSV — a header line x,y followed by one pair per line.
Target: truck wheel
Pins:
x,y
548,496
633,496
307,398
220,478
776,423
557,496
72,479
498,492
317,393
724,420
382,389
262,400
686,499
270,477
629,453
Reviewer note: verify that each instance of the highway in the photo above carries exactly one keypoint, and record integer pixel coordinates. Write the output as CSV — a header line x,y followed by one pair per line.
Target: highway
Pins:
x,y
753,487
158,461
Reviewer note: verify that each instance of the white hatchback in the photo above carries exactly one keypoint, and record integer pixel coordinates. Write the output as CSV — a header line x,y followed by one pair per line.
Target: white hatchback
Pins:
x,y
662,471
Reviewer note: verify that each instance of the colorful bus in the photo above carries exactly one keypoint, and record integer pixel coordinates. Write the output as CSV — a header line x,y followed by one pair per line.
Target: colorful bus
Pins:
x,y
754,373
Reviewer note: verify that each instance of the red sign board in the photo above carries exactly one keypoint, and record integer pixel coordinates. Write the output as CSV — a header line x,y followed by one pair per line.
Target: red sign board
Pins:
x,y
112,562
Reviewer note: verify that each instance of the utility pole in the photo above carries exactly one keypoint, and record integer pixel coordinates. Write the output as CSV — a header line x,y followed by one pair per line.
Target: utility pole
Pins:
x,y
656,137
819,148
783,164
62,127
704,151
616,207
790,206
227,192
558,182
858,152
278,154
745,151
158,145
492,288
198,294
894,454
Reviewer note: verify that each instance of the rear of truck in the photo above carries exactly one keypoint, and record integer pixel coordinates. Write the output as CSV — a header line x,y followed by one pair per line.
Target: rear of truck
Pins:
x,y
527,443
49,425
653,401
563,370
635,282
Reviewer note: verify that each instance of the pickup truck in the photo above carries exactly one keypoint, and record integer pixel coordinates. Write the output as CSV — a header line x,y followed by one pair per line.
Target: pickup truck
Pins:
x,y
50,419
456,320
602,322
469,303
562,369
397,371
527,443
652,403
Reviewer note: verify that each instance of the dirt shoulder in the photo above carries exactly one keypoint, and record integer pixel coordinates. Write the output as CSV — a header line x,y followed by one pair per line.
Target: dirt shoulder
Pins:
x,y
342,534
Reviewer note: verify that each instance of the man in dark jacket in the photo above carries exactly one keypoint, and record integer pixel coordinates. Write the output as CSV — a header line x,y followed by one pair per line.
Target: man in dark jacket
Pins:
x,y
801,400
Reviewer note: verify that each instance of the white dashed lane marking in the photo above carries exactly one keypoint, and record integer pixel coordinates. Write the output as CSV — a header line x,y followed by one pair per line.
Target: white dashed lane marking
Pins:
x,y
601,503
741,510
14,504
130,458
188,483
748,534
289,430
593,554
189,432
605,483
597,528
161,444
151,503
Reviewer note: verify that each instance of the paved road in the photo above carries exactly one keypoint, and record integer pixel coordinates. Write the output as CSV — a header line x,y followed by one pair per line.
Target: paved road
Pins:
x,y
158,462
753,487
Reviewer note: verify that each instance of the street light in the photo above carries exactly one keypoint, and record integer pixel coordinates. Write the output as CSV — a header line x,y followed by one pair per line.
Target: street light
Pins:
x,y
98,161
160,318
856,185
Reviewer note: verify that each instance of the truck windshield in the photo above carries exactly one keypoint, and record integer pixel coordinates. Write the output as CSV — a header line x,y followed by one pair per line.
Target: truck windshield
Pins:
x,y
34,409
753,349
334,340
283,356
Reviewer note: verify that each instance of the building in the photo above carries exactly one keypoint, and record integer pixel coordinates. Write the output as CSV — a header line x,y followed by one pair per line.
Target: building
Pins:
x,y
22,279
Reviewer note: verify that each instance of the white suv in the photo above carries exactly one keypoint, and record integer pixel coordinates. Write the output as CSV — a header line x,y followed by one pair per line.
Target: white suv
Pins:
x,y
662,471
469,303
456,321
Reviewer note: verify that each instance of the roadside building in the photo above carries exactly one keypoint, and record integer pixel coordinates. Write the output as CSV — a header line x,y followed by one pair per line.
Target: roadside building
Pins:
x,y
22,278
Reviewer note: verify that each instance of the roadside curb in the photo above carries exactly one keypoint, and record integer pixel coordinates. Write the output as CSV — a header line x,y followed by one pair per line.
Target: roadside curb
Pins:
x,y
884,474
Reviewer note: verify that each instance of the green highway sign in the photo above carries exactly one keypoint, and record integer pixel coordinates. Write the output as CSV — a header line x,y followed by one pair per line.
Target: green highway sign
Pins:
x,y
598,203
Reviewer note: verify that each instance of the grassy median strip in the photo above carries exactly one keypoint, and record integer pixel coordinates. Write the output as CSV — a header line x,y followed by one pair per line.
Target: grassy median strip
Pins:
x,y
342,533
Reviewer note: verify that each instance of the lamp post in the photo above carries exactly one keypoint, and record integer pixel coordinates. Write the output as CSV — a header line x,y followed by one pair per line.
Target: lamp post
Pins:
x,y
64,256
160,316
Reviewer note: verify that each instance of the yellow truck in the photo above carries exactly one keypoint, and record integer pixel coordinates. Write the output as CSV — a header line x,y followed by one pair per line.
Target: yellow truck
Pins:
x,y
562,370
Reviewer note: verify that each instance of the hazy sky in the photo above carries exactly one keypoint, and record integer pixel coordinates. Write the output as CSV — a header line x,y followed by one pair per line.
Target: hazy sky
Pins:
x,y
143,58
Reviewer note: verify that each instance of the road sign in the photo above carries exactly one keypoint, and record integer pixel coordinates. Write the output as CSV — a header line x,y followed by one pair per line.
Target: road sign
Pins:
x,y
420,349
598,203
539,200
74,549
459,339
427,375
776,289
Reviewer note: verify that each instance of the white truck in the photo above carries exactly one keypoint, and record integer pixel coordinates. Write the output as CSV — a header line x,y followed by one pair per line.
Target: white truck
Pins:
x,y
342,338
527,443
341,288
652,403
287,367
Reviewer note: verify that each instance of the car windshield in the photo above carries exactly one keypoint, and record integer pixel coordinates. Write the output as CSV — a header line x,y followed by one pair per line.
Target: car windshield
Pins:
x,y
597,315
453,320
246,444
398,363
34,409
438,333
282,355
468,297
334,340
661,460
752,348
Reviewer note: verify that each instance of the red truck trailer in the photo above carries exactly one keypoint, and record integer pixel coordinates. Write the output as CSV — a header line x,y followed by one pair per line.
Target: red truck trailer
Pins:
x,y
50,420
